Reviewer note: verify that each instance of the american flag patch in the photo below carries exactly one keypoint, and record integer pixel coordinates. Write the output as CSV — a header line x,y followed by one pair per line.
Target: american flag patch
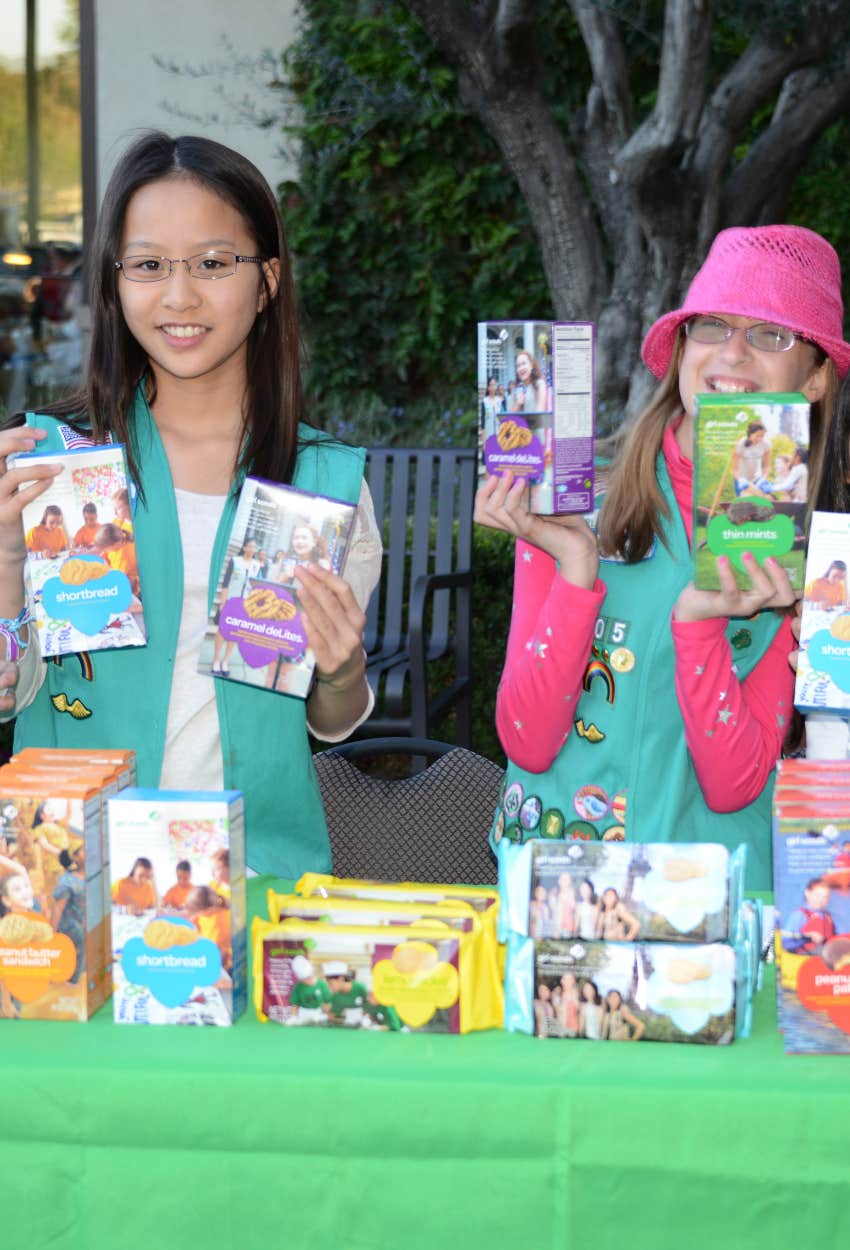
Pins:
x,y
73,439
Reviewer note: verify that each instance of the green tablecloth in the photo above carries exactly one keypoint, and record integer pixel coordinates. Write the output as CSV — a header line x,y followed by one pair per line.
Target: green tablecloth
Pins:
x,y
122,1138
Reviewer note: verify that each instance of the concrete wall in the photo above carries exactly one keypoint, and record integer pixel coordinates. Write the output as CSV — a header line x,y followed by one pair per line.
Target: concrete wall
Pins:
x,y
217,45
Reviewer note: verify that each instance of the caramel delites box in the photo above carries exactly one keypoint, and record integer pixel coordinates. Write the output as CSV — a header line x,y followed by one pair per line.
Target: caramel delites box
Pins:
x,y
178,906
52,932
255,633
536,404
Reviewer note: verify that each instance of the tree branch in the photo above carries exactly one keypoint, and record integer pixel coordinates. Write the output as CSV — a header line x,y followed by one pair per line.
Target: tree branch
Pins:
x,y
753,79
514,15
809,102
608,61
673,122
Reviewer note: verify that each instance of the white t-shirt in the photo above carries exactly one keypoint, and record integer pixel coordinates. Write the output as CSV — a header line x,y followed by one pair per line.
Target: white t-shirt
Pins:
x,y
192,745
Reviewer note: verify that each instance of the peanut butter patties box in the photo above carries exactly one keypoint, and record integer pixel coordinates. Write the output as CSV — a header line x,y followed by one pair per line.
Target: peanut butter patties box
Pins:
x,y
52,931
178,906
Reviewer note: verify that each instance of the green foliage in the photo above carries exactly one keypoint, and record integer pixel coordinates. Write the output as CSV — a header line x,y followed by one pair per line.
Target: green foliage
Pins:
x,y
59,143
406,228
818,197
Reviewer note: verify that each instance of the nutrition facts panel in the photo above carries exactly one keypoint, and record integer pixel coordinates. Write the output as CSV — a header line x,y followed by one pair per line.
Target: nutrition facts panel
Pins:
x,y
572,355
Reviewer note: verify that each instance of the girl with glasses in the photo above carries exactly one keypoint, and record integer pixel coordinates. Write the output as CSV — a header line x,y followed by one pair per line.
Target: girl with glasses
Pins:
x,y
671,702
194,367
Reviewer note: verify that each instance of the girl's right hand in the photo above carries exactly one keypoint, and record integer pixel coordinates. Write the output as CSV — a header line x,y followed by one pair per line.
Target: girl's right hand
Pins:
x,y
502,503
13,495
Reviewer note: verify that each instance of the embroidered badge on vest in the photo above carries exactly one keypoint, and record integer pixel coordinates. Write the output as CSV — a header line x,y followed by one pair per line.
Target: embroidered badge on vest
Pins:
x,y
74,439
86,666
590,733
598,668
77,709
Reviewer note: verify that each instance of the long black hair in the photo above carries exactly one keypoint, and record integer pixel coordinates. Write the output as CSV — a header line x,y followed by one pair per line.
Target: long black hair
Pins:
x,y
274,400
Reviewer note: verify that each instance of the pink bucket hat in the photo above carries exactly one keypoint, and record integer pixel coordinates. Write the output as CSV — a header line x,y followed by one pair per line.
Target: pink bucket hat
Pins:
x,y
784,274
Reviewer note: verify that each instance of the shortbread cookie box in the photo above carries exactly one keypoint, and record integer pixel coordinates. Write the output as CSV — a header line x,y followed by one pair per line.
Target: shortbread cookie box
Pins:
x,y
81,566
178,906
52,933
621,891
823,660
627,992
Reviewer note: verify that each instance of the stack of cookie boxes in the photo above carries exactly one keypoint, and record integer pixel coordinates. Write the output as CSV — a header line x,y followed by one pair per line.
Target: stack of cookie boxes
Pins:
x,y
811,868
54,881
627,941
391,956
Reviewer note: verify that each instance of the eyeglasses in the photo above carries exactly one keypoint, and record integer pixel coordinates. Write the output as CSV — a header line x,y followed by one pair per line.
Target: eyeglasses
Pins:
x,y
765,337
208,265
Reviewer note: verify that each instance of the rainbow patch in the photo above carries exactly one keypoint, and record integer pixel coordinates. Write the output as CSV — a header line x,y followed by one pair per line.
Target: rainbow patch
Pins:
x,y
598,668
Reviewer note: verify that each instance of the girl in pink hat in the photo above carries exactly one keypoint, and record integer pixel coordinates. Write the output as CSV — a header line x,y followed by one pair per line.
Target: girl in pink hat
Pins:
x,y
619,673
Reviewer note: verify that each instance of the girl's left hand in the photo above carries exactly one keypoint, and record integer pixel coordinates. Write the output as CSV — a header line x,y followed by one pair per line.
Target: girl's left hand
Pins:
x,y
334,624
769,588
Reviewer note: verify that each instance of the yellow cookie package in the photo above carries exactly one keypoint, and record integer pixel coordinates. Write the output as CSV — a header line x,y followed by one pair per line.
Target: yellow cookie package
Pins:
x,y
405,956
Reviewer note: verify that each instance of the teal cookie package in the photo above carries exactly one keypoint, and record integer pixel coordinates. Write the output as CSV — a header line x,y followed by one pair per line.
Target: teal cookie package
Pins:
x,y
628,991
628,941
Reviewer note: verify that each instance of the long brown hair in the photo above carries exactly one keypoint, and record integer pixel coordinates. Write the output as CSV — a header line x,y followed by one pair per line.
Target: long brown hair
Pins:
x,y
634,509
274,401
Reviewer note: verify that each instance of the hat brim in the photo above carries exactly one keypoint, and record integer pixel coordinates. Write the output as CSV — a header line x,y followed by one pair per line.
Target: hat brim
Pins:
x,y
657,348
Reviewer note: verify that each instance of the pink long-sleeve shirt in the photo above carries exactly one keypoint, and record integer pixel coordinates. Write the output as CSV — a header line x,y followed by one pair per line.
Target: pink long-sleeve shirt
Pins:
x,y
536,705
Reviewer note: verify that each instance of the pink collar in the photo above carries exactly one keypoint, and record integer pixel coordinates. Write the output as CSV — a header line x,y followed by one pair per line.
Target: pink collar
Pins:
x,y
681,471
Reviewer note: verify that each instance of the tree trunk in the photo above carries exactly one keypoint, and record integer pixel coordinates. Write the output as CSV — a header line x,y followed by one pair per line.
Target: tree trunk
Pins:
x,y
623,214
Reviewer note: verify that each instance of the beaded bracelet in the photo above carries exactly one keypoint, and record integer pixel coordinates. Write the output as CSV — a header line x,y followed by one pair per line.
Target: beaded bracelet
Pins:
x,y
11,630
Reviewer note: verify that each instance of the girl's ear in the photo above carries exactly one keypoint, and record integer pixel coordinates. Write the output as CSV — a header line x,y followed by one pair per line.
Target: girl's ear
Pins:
x,y
271,270
814,387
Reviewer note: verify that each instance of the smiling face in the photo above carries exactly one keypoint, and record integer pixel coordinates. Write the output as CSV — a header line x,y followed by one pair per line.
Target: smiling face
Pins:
x,y
302,541
142,875
189,327
523,366
734,366
18,893
817,897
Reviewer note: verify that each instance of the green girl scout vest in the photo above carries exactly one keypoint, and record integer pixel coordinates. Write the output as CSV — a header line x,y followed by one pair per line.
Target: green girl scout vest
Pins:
x,y
124,694
625,770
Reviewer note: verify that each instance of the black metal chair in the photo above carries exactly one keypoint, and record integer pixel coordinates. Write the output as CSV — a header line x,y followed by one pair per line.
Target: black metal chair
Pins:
x,y
429,826
421,611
